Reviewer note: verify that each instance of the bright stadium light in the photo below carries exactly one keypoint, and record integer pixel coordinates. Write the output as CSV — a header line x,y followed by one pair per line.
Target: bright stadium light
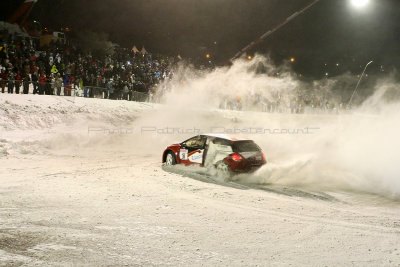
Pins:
x,y
359,3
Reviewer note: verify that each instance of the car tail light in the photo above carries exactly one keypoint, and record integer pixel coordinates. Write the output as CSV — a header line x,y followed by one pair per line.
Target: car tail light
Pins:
x,y
263,156
236,157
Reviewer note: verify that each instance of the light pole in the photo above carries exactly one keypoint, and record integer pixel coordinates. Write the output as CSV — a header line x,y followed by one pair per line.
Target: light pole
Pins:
x,y
268,33
362,74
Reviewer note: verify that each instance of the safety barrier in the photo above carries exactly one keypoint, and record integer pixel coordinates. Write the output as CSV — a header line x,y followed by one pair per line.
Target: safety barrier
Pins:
x,y
49,88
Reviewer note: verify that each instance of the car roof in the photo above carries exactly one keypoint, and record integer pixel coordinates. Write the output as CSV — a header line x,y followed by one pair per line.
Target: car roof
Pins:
x,y
227,137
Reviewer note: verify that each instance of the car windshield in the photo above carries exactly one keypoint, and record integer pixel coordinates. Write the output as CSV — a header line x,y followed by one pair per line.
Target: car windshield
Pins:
x,y
245,146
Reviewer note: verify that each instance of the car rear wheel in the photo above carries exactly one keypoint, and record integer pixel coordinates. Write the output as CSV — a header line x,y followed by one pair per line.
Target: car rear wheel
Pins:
x,y
170,159
224,171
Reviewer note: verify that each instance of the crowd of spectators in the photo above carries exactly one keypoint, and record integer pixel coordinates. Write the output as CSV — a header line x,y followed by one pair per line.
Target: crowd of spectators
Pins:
x,y
63,69
285,102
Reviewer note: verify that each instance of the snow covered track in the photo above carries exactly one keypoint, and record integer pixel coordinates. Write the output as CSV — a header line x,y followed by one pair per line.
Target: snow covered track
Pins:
x,y
204,176
69,196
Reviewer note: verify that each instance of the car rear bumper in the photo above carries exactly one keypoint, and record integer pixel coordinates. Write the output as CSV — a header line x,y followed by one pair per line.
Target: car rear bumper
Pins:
x,y
247,169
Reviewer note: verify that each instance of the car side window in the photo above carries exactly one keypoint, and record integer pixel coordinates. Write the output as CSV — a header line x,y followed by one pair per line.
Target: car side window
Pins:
x,y
196,142
222,145
223,142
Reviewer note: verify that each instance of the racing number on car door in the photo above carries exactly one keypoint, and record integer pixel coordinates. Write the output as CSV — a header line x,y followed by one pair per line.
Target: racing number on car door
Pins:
x,y
183,154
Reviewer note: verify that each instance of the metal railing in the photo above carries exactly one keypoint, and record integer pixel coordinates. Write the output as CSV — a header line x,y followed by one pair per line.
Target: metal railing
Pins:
x,y
102,92
49,88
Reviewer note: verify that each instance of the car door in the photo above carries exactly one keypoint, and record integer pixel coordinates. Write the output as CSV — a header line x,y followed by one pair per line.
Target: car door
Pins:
x,y
191,152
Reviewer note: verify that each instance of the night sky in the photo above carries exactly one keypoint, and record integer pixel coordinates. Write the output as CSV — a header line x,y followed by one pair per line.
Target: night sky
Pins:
x,y
330,32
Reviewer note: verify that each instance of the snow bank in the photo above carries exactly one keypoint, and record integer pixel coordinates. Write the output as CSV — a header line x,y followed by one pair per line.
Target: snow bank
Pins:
x,y
34,124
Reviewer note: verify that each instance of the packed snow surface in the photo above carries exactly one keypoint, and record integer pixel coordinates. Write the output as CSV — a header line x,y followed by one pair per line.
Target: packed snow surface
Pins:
x,y
82,184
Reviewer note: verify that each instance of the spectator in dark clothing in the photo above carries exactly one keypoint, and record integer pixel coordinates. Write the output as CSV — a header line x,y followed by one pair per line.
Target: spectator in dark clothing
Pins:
x,y
58,84
3,80
11,82
18,82
49,89
110,90
25,83
35,79
67,85
125,91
